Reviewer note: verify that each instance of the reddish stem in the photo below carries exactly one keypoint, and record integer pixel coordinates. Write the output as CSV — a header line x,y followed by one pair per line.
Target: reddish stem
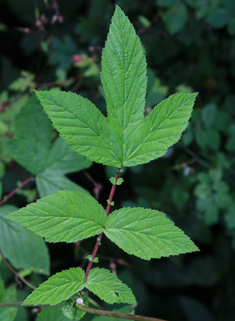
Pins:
x,y
15,190
101,234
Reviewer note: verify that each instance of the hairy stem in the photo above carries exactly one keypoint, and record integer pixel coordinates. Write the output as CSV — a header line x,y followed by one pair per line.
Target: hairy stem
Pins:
x,y
115,314
15,190
101,234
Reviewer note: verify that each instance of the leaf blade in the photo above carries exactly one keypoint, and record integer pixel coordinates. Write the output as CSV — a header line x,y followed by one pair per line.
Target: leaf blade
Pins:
x,y
106,285
15,237
57,217
57,288
146,233
31,143
82,125
123,77
162,128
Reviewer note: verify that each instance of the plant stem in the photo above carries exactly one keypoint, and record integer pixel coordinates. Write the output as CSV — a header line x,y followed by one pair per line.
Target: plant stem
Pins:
x,y
19,305
15,190
115,314
17,274
101,234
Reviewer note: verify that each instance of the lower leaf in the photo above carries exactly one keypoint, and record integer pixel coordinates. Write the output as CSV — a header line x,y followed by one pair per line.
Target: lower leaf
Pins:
x,y
58,288
108,287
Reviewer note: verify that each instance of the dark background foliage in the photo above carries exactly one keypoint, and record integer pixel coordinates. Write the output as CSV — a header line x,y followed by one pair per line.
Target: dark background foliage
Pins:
x,y
190,47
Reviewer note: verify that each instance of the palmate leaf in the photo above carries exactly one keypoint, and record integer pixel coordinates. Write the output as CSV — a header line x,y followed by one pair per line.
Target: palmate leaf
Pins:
x,y
49,162
108,287
17,244
58,288
64,216
125,138
146,233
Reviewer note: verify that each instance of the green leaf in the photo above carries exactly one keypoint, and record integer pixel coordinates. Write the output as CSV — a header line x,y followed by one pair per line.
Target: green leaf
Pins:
x,y
146,233
124,77
51,314
8,314
125,138
61,160
175,18
162,128
108,287
33,132
49,162
64,216
70,312
17,244
58,288
47,183
82,125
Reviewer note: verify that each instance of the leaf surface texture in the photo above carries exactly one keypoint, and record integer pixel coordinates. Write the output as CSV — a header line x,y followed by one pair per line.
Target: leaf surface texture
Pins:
x,y
146,233
57,288
64,216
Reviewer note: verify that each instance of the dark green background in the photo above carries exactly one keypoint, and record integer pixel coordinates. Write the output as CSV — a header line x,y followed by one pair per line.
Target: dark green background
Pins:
x,y
190,47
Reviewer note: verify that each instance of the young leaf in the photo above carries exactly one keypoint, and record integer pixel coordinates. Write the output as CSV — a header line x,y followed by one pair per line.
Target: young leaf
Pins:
x,y
108,287
64,216
48,162
58,288
125,137
124,77
17,244
146,233
70,312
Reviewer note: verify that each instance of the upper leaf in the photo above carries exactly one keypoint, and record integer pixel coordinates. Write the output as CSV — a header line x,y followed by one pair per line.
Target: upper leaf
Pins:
x,y
15,237
162,128
64,216
33,150
125,138
124,77
108,287
82,125
58,288
146,233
